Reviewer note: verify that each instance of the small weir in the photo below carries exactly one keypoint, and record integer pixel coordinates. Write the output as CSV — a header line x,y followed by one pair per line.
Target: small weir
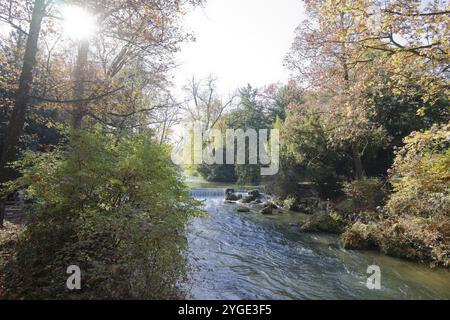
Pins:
x,y
202,193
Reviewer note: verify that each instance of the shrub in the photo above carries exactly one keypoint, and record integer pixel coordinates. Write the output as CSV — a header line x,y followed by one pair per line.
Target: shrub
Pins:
x,y
421,175
113,205
361,236
415,239
366,194
290,203
419,225
324,222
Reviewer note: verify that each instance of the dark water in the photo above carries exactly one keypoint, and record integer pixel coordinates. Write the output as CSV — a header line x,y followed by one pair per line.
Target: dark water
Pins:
x,y
250,256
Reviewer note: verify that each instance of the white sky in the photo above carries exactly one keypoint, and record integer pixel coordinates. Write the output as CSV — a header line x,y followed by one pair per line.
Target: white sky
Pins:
x,y
239,42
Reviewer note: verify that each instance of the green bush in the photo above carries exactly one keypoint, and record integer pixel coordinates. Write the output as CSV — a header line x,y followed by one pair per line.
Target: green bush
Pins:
x,y
416,239
112,204
361,236
290,203
421,175
419,224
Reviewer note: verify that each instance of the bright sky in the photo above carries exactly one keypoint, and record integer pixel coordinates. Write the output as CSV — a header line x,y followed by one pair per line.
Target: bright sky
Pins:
x,y
239,42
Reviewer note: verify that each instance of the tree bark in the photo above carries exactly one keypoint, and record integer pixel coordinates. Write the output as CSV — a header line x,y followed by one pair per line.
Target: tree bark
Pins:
x,y
359,170
78,111
17,120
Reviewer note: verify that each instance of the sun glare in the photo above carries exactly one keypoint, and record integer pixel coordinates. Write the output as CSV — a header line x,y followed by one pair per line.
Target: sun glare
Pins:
x,y
78,24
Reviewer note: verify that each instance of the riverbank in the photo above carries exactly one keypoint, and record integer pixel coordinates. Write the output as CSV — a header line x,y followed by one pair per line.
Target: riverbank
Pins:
x,y
361,226
247,255
14,224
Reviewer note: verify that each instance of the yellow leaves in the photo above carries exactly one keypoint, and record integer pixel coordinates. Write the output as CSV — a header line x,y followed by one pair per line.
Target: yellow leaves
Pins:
x,y
115,182
397,91
421,112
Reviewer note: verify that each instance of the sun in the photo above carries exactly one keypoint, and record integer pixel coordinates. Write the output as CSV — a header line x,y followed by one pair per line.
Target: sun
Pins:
x,y
78,23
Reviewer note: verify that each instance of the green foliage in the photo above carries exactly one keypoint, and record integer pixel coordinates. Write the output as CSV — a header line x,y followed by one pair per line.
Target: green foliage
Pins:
x,y
419,227
366,194
360,236
217,172
305,137
323,222
416,239
112,204
251,114
290,203
421,175
416,222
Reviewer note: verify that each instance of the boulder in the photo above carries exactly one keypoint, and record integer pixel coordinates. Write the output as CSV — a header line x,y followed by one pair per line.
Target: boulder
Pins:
x,y
243,209
271,205
266,210
322,222
231,197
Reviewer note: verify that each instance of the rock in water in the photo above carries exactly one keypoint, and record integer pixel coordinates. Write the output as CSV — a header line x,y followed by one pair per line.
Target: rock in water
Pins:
x,y
243,209
271,205
266,210
232,197
229,191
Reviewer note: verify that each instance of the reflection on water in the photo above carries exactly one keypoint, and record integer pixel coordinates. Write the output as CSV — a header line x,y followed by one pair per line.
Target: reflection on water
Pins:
x,y
250,256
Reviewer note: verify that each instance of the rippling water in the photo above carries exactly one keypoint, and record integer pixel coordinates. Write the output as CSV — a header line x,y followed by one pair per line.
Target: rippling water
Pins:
x,y
250,256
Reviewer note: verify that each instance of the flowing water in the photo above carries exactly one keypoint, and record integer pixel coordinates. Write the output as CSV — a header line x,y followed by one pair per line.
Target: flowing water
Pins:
x,y
250,256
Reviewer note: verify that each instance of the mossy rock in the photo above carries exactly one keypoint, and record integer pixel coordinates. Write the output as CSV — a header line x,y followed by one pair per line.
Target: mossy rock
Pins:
x,y
232,197
270,205
360,236
243,209
322,222
266,211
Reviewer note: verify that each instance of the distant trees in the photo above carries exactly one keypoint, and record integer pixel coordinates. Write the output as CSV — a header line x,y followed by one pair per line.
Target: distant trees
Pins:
x,y
256,109
204,106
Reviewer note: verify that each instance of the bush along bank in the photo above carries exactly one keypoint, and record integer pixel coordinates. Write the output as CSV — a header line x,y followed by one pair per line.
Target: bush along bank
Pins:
x,y
112,204
409,221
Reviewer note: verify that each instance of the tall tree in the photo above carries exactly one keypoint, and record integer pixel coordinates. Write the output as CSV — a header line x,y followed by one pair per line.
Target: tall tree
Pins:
x,y
324,59
22,98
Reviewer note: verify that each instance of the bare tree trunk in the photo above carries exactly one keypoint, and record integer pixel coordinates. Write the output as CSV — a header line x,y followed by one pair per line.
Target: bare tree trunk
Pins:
x,y
78,111
17,121
2,212
359,170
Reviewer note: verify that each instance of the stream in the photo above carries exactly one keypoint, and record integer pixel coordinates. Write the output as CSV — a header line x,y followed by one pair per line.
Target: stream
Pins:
x,y
251,256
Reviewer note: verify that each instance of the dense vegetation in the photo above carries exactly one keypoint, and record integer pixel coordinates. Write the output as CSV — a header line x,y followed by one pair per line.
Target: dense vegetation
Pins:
x,y
115,205
86,128
85,121
365,123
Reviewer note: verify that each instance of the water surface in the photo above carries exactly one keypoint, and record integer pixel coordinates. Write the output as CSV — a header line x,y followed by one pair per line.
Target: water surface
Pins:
x,y
250,256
